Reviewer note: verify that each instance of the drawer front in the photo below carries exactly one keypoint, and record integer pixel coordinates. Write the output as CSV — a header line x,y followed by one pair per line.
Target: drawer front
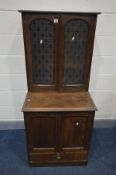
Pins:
x,y
59,158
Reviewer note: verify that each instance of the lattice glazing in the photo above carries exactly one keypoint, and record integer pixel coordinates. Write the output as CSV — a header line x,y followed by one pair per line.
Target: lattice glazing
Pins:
x,y
75,49
42,39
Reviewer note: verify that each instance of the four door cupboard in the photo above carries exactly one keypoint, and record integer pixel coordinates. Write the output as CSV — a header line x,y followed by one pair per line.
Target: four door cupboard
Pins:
x,y
58,109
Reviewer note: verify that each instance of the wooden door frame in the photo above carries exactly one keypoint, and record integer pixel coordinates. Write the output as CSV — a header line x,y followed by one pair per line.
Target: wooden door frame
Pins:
x,y
91,20
27,18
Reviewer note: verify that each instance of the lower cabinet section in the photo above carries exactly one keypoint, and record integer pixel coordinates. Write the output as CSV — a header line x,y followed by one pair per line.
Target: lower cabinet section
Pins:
x,y
58,138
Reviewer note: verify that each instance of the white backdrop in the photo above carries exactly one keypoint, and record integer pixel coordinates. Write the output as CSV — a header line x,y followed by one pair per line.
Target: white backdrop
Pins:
x,y
13,86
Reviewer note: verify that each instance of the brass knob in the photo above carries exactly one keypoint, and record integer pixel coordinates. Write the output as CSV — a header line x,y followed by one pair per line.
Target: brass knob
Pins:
x,y
58,156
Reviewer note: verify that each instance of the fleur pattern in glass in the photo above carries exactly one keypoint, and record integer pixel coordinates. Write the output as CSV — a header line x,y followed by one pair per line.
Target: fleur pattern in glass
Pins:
x,y
42,43
75,49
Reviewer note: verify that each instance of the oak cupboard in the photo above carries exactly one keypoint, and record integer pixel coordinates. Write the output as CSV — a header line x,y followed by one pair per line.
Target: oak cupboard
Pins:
x,y
58,110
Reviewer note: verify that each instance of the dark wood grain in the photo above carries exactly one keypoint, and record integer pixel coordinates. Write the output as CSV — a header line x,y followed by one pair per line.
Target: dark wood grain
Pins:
x,y
27,19
54,101
91,21
58,117
55,138
89,18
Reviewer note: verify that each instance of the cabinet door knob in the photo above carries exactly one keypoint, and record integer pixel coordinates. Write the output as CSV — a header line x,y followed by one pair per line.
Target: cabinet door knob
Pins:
x,y
58,156
41,41
77,123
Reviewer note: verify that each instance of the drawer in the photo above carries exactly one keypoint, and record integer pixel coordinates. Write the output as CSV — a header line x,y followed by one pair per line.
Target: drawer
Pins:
x,y
59,158
42,157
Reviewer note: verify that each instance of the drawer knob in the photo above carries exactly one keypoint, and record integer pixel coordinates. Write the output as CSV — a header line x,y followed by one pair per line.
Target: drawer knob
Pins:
x,y
58,156
77,123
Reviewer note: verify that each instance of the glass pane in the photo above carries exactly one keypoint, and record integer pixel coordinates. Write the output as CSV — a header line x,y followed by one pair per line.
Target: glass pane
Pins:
x,y
42,43
75,49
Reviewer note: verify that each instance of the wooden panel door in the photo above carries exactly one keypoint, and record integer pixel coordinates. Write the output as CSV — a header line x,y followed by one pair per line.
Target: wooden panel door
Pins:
x,y
76,129
73,131
41,137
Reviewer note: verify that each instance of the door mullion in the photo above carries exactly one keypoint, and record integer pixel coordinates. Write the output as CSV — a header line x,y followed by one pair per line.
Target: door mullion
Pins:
x,y
56,50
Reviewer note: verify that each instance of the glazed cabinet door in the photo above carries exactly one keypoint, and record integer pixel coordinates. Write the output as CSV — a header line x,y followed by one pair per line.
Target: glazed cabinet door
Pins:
x,y
40,38
58,49
41,137
76,51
